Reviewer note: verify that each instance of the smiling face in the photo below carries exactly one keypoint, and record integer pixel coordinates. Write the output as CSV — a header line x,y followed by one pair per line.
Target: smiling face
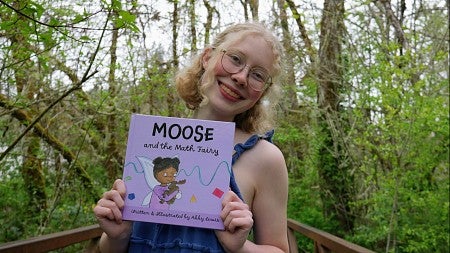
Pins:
x,y
230,94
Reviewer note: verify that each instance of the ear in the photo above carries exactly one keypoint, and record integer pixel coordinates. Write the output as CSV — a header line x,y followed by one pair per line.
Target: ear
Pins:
x,y
206,56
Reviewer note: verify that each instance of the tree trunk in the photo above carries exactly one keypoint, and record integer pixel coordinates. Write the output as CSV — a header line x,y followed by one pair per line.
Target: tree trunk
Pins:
x,y
170,95
290,104
254,7
291,86
304,35
114,159
334,169
193,22
208,24
26,80
244,5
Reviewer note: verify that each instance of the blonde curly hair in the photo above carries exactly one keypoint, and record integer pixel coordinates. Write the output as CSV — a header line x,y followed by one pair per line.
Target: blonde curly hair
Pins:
x,y
193,80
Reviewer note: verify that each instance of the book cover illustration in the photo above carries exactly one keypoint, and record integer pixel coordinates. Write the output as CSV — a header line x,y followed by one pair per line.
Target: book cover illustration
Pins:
x,y
177,170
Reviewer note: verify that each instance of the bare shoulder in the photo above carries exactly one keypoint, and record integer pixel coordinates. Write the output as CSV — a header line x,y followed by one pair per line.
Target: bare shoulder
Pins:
x,y
258,170
269,156
266,163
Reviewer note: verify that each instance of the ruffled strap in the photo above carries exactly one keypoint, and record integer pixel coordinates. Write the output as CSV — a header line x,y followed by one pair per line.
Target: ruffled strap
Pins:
x,y
240,148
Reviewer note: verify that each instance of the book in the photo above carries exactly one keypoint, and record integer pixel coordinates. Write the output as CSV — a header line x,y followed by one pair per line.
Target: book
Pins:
x,y
177,170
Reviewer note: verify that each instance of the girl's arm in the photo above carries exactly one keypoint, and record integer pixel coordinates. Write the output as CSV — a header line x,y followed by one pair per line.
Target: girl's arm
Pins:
x,y
266,167
270,200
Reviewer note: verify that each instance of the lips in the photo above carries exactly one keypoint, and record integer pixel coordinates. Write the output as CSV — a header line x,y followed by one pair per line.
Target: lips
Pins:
x,y
229,92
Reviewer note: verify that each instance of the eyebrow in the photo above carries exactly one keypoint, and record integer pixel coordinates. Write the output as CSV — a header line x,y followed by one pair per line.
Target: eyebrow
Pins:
x,y
246,57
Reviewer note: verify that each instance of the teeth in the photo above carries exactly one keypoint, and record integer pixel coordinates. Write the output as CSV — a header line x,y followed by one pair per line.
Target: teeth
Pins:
x,y
230,92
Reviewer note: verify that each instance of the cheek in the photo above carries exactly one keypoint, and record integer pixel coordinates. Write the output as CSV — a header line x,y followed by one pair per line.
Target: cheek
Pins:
x,y
209,77
218,70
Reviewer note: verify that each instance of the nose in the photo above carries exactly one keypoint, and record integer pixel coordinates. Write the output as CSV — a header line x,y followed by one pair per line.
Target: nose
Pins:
x,y
241,77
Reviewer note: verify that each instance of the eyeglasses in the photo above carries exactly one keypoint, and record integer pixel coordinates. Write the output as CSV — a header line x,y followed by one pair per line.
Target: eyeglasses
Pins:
x,y
234,62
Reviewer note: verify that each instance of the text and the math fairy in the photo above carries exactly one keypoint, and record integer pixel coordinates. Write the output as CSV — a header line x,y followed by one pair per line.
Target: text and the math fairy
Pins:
x,y
177,170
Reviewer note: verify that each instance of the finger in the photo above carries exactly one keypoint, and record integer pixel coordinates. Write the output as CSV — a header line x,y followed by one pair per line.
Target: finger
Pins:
x,y
229,202
230,196
243,223
109,209
232,206
116,197
238,218
119,186
103,212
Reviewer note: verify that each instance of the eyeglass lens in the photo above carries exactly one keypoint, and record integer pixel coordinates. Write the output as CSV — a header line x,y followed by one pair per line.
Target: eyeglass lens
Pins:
x,y
234,62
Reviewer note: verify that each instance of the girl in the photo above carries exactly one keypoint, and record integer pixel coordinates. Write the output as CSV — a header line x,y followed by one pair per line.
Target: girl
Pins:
x,y
165,171
234,79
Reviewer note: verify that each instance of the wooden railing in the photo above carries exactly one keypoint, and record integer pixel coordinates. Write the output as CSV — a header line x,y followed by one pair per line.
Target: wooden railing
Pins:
x,y
54,241
323,241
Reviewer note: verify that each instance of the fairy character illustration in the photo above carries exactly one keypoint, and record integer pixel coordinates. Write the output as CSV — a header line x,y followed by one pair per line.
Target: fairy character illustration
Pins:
x,y
162,182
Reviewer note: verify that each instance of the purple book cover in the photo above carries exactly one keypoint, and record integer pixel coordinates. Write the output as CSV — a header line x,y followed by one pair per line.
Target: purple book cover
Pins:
x,y
177,170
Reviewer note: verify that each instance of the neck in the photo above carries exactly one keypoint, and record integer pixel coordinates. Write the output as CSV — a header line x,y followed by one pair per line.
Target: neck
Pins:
x,y
203,113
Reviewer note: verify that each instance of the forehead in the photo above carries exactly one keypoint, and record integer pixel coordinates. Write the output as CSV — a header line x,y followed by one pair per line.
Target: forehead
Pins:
x,y
256,49
168,169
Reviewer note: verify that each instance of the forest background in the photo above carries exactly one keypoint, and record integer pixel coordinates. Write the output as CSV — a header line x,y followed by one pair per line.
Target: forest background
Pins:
x,y
363,120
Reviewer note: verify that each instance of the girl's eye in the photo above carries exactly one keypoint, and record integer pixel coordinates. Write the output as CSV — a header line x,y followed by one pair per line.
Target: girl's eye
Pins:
x,y
259,75
235,59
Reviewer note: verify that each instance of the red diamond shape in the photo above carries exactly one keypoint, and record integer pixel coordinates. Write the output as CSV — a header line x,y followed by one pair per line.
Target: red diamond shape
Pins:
x,y
217,192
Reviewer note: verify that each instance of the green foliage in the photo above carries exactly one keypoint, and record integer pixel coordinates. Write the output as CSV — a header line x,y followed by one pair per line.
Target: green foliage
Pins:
x,y
305,206
412,220
69,208
14,215
122,18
